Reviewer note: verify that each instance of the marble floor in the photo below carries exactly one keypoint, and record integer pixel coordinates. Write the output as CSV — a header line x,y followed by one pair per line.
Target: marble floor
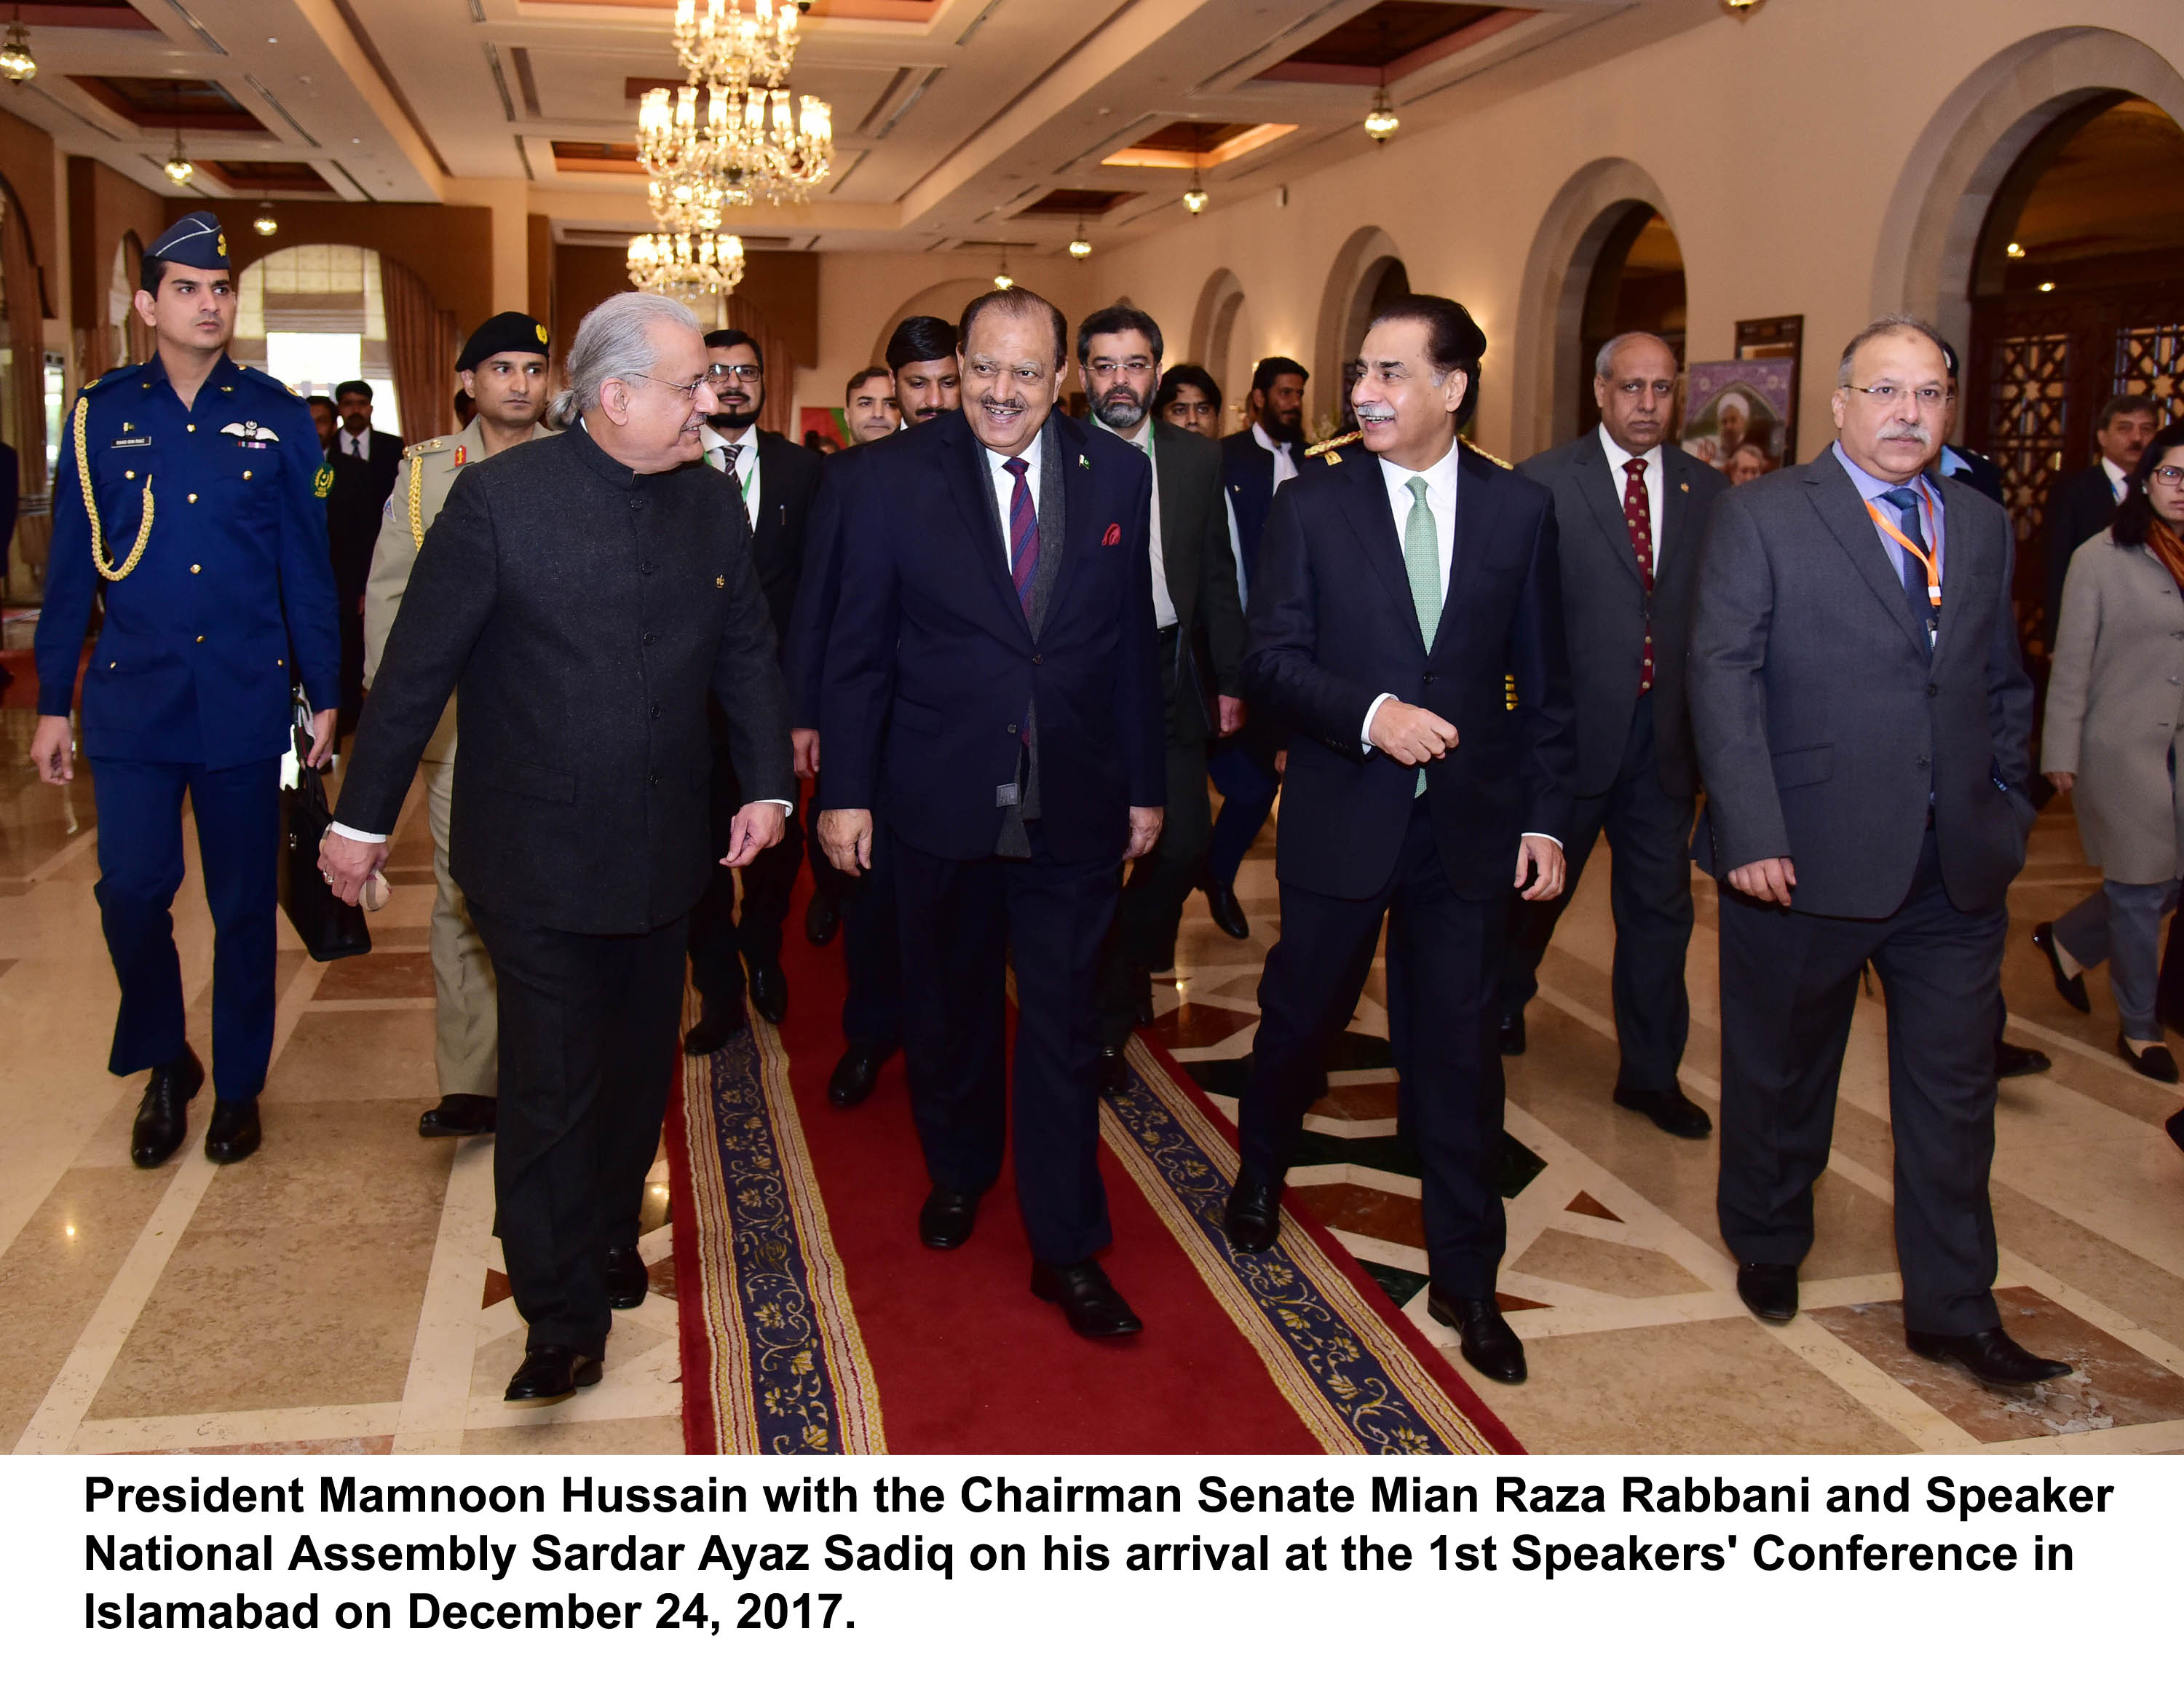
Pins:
x,y
342,1291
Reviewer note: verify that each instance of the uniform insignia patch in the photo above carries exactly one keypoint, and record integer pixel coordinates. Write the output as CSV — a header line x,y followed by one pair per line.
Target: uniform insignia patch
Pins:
x,y
251,432
223,245
541,331
323,480
462,451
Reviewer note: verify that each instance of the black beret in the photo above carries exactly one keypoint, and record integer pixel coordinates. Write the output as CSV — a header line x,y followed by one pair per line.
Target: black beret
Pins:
x,y
510,330
196,242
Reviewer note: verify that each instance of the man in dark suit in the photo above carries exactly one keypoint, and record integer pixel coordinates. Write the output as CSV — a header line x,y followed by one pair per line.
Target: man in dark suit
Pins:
x,y
589,592
1630,508
2082,504
1861,717
996,626
1200,619
366,463
1255,463
1401,586
776,481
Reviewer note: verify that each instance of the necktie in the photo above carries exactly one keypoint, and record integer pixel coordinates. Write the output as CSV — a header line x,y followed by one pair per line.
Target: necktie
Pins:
x,y
728,452
1905,502
1024,532
1421,563
1638,517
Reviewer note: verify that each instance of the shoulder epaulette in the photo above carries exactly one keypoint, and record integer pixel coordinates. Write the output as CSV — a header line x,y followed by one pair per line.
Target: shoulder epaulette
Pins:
x,y
111,377
1329,446
429,446
1485,454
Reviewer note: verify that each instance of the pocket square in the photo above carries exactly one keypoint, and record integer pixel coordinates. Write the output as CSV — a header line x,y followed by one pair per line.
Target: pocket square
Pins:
x,y
1114,536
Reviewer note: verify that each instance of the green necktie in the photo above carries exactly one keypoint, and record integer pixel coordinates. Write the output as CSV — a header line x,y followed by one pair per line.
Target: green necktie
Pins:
x,y
1421,561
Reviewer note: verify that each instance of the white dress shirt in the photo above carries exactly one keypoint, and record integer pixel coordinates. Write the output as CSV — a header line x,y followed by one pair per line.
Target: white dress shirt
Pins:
x,y
1656,485
1286,467
717,449
1005,485
357,444
2118,484
1164,615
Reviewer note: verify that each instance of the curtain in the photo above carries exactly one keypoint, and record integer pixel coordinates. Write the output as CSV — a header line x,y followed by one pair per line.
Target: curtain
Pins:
x,y
779,414
421,338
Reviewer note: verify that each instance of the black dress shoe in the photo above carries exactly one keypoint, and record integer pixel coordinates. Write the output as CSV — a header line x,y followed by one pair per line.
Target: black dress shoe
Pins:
x,y
715,1029
2175,1125
1253,1216
626,1280
1992,1357
823,918
2155,1062
856,1075
2012,1061
1141,997
769,992
1094,1307
1114,1069
460,1115
232,1133
552,1372
1669,1110
1513,1034
1227,916
1483,1335
1769,1290
945,1220
2071,987
163,1117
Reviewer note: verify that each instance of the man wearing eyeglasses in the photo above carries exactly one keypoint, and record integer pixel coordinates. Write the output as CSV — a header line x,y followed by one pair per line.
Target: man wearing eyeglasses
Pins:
x,y
1861,717
776,480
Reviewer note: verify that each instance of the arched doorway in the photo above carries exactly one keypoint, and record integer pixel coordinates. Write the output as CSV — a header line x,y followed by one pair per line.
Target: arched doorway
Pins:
x,y
1221,342
1366,272
945,298
1636,286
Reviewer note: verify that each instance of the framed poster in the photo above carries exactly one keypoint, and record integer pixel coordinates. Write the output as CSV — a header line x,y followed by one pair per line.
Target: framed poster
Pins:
x,y
1736,416
822,429
1777,338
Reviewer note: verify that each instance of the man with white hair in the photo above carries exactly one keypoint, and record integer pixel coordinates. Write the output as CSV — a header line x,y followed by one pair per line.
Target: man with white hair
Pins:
x,y
586,592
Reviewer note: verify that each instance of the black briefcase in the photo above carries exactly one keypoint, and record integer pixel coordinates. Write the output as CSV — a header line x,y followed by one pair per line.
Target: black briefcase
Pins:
x,y
328,928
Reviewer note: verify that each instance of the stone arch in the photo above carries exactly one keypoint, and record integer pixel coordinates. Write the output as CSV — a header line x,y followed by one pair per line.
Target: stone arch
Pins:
x,y
1579,223
1930,232
944,298
1220,339
1345,304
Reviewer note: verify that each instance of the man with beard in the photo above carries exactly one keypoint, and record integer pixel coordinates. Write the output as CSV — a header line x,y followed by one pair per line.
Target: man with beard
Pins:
x,y
1255,462
366,463
1198,618
869,404
993,660
503,368
921,353
777,480
1862,719
327,420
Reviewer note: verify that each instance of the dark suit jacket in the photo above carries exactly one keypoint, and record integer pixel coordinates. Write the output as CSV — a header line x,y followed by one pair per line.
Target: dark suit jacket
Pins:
x,y
586,614
1201,576
1333,627
1823,720
1605,606
1249,472
788,479
818,589
354,504
2080,507
930,649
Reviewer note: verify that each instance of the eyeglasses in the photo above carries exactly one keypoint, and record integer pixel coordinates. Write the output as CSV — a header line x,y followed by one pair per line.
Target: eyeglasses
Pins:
x,y
2170,477
745,373
1137,367
1926,397
689,391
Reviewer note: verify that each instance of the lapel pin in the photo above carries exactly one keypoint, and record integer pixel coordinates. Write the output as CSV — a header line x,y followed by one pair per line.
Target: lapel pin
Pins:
x,y
721,583
1083,462
1683,487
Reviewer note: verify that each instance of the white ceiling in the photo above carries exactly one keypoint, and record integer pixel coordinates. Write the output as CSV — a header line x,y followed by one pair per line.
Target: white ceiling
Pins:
x,y
944,128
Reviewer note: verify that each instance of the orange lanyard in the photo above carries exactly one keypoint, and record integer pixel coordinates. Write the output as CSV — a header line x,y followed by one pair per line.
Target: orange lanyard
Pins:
x,y
1930,562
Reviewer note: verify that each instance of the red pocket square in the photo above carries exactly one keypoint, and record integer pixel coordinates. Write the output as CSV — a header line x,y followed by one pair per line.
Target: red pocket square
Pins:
x,y
1114,536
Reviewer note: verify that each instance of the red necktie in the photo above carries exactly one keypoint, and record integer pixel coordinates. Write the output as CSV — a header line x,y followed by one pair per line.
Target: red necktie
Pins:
x,y
1023,534
1638,515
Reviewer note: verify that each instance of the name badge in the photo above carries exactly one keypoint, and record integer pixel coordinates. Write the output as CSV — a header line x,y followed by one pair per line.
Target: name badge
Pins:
x,y
128,443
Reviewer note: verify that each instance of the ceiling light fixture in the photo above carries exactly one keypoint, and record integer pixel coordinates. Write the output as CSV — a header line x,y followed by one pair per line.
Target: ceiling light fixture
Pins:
x,y
2012,249
1080,247
1741,9
686,265
178,167
1195,200
16,62
264,221
1381,120
1003,281
2047,286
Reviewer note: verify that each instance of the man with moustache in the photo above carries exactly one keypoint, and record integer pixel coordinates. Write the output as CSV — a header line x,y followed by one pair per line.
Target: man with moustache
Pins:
x,y
993,662
1631,510
1195,608
1400,587
503,370
921,353
777,480
869,404
590,593
1256,463
1861,717
366,463
2082,504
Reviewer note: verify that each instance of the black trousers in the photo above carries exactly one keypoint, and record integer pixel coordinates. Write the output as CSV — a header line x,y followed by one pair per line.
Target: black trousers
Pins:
x,y
1444,959
1789,985
872,937
723,938
588,1025
962,921
1151,909
1649,834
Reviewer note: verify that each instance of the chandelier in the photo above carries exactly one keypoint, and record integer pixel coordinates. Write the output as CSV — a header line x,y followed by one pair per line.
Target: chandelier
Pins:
x,y
687,264
763,143
731,47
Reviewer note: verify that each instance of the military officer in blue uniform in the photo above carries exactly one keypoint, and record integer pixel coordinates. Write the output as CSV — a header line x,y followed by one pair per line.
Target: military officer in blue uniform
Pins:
x,y
190,493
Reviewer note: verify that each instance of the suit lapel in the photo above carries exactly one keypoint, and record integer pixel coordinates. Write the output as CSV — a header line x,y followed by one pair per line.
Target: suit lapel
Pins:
x,y
1365,504
1174,547
1067,469
1844,511
1963,568
1675,499
1478,511
972,487
1595,483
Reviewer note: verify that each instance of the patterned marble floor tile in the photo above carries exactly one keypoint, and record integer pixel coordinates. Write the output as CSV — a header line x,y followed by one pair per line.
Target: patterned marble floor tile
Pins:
x,y
1616,1269
379,974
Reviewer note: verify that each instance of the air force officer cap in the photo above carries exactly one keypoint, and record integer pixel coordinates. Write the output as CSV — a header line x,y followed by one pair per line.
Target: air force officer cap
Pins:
x,y
195,242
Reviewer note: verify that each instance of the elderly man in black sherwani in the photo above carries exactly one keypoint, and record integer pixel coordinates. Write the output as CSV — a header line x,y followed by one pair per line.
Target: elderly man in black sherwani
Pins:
x,y
587,593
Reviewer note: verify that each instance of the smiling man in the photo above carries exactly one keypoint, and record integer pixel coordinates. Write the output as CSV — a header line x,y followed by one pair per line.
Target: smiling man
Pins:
x,y
590,593
991,663
869,404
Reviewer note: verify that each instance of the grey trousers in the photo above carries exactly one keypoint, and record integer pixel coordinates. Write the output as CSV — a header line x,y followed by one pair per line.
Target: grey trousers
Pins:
x,y
2121,926
467,1044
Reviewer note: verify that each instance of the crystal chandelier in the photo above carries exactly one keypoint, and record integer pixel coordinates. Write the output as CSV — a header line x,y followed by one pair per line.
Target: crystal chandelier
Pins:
x,y
762,143
687,190
17,63
686,265
732,48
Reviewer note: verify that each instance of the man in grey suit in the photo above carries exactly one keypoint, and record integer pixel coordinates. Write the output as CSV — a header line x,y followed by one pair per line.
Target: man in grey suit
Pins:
x,y
588,592
1200,617
1631,510
1861,716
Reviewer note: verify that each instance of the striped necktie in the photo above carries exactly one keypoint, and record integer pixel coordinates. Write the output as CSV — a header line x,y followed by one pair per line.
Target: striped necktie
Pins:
x,y
1024,532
